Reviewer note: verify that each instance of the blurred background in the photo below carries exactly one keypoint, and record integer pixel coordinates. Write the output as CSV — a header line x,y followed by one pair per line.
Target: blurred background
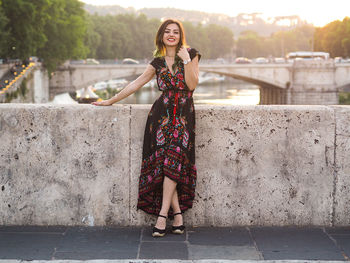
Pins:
x,y
54,32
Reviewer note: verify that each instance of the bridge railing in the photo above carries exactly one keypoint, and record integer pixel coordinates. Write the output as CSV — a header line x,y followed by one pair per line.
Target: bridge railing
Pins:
x,y
257,165
146,61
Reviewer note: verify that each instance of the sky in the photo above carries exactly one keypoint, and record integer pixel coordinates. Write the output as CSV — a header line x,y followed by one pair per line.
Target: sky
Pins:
x,y
318,12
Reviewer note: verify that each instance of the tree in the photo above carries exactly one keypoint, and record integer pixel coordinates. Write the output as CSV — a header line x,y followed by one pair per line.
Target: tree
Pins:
x,y
124,36
65,33
304,37
220,40
26,21
3,33
196,36
51,29
334,38
133,36
249,44
115,37
345,42
92,38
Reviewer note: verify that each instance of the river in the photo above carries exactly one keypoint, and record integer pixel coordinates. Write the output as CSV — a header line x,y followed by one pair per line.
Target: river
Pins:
x,y
222,93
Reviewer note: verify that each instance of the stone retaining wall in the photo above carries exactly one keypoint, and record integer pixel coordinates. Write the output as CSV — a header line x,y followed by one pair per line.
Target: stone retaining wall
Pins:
x,y
257,165
4,68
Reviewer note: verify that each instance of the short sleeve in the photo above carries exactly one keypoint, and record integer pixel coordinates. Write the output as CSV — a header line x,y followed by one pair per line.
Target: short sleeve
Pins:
x,y
155,63
193,52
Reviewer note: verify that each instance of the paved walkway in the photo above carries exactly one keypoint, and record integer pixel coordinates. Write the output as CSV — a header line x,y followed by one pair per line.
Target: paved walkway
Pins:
x,y
132,244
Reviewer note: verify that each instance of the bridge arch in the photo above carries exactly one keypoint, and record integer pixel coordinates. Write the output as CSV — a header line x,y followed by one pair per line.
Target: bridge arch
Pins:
x,y
270,93
259,82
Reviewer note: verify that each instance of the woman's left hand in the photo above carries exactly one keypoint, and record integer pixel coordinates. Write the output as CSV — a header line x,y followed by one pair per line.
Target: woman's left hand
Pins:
x,y
183,54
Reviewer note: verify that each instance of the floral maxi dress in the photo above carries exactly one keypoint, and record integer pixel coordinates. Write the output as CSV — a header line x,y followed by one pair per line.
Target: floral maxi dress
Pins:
x,y
169,141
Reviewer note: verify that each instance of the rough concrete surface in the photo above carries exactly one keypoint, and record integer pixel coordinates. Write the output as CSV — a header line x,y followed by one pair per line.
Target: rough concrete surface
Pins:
x,y
264,165
257,165
342,175
138,115
64,165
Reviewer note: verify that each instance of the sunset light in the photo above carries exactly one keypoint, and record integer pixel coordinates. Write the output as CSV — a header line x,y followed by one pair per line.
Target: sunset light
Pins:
x,y
318,13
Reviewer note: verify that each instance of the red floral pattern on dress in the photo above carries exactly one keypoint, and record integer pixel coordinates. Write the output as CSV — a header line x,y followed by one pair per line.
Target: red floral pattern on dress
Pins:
x,y
169,140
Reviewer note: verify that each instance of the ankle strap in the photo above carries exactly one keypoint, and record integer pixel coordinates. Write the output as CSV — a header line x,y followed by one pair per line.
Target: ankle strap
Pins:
x,y
178,213
162,216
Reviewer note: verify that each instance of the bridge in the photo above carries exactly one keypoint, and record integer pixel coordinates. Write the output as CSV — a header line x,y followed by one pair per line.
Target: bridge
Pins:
x,y
303,82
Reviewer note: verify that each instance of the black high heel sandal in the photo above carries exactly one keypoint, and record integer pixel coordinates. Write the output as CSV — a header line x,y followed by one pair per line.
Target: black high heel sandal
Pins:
x,y
178,229
156,232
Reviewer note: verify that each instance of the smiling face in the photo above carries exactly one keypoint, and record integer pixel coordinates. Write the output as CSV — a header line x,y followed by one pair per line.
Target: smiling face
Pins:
x,y
171,35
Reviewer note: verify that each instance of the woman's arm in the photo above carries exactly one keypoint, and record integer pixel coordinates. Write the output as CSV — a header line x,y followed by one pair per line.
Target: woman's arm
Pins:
x,y
132,87
191,68
192,73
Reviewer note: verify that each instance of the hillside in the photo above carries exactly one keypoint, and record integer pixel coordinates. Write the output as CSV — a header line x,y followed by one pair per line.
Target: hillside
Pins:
x,y
237,24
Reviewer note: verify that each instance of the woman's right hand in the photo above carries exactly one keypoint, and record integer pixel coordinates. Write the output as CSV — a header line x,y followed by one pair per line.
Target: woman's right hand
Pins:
x,y
102,103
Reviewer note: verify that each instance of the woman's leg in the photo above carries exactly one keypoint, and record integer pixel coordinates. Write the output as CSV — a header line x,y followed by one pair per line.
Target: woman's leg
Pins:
x,y
175,202
178,221
169,187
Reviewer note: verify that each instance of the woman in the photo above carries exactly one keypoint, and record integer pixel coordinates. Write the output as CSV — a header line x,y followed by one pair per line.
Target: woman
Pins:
x,y
168,172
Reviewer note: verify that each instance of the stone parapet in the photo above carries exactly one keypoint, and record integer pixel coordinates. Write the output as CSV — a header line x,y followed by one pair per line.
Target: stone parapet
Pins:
x,y
257,165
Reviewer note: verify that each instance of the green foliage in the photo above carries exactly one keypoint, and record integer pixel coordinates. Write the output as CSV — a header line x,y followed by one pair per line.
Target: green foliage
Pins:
x,y
220,40
3,32
26,21
106,93
57,30
92,38
133,36
123,36
344,98
251,45
115,37
197,37
23,88
51,29
65,33
334,38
